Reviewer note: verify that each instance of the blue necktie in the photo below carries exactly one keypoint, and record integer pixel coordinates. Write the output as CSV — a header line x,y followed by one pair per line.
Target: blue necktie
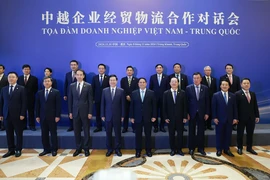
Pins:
x,y
142,95
46,94
175,95
112,93
10,90
198,92
100,80
225,98
159,79
79,89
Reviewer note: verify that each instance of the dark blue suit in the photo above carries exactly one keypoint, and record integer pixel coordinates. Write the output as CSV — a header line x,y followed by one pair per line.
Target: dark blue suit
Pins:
x,y
11,108
225,113
3,83
47,111
128,90
142,112
197,109
113,110
80,106
97,91
159,90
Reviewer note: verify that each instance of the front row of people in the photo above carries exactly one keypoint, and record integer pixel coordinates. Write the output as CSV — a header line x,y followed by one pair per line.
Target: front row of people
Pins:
x,y
179,106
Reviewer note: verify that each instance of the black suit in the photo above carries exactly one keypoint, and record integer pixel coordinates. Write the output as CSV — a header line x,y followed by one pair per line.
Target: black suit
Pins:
x,y
128,90
97,91
212,89
47,111
31,88
247,113
142,112
3,83
80,105
11,108
159,90
175,112
183,81
235,86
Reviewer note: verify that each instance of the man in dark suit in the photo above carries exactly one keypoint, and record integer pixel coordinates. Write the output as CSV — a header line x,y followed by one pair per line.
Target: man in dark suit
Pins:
x,y
158,83
80,105
248,114
182,78
12,110
198,112
211,83
233,80
3,83
224,113
30,83
113,112
142,113
48,73
70,78
128,84
99,82
48,111
175,114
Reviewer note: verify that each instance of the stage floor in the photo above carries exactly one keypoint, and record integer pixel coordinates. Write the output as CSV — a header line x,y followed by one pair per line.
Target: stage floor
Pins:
x,y
160,166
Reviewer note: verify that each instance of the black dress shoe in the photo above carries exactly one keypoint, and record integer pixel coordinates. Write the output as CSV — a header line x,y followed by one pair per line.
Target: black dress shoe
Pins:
x,y
202,152
97,130
155,130
18,153
77,152
252,151
54,153
149,154
172,153
86,153
32,128
191,152
124,130
44,153
229,153
210,128
180,152
138,154
70,129
162,129
9,153
219,153
184,129
109,153
240,151
118,153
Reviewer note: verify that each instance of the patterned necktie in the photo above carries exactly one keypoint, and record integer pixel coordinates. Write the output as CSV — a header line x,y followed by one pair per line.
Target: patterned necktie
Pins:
x,y
159,79
208,82
129,81
179,86
25,79
10,90
225,98
46,94
100,81
175,95
142,95
230,78
73,76
79,89
113,93
248,97
198,92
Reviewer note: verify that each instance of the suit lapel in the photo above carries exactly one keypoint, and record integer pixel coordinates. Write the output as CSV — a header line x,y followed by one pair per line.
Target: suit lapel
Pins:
x,y
14,91
222,97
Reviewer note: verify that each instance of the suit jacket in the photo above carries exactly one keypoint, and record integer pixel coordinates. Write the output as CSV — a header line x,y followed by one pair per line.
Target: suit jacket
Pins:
x,y
68,81
54,84
184,81
15,104
50,108
213,86
236,82
3,82
158,89
112,109
247,110
175,112
222,111
202,105
97,89
143,110
133,85
82,103
31,87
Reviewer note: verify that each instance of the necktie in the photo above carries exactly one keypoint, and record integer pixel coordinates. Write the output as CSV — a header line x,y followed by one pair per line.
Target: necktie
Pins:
x,y
142,95
208,82
112,93
73,76
79,89
230,78
25,79
225,98
198,92
177,76
129,81
100,81
175,95
10,90
46,94
248,97
159,79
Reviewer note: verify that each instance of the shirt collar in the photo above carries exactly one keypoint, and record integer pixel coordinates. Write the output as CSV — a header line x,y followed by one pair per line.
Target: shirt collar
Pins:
x,y
1,75
27,76
130,77
143,90
245,90
113,87
13,85
48,89
173,90
81,83
198,85
224,92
